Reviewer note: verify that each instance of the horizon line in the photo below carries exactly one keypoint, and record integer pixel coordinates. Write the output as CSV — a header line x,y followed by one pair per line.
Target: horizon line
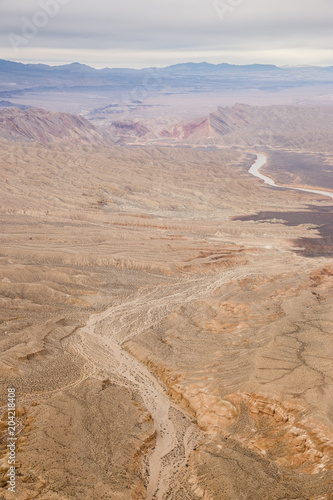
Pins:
x,y
284,66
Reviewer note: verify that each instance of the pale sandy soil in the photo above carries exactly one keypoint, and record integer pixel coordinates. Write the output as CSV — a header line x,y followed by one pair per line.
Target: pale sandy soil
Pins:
x,y
161,348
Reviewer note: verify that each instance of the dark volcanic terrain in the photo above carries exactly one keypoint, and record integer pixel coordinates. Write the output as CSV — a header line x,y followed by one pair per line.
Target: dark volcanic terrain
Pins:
x,y
298,169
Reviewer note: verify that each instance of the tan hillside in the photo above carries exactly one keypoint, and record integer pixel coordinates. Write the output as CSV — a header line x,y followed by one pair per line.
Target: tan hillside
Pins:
x,y
38,125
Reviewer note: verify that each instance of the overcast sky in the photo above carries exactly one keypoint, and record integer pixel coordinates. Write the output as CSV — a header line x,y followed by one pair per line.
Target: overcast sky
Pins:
x,y
141,33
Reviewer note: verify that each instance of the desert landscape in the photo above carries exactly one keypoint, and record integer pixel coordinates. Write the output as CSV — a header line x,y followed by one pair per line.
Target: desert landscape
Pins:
x,y
166,317
166,250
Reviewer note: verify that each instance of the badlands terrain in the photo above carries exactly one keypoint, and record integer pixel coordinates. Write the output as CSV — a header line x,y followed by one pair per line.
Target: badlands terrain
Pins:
x,y
166,317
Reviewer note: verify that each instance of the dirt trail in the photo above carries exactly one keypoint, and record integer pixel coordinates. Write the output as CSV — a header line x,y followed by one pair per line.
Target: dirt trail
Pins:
x,y
100,342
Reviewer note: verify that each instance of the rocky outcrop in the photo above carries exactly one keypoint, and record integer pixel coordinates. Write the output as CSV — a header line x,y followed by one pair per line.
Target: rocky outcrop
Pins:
x,y
124,128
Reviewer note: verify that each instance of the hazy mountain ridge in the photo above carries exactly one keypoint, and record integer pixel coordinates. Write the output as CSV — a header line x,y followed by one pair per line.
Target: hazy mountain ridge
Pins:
x,y
297,127
282,126
28,76
182,91
38,125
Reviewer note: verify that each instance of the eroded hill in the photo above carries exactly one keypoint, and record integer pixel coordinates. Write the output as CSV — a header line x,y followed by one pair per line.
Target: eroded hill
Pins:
x,y
298,128
38,125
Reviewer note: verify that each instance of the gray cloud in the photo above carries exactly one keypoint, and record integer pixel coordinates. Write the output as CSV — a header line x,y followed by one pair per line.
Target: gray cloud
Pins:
x,y
153,32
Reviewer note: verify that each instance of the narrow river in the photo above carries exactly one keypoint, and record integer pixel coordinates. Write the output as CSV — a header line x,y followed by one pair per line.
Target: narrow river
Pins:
x,y
260,162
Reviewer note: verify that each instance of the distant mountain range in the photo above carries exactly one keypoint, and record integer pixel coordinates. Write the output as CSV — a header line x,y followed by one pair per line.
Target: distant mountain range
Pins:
x,y
17,78
76,67
130,106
